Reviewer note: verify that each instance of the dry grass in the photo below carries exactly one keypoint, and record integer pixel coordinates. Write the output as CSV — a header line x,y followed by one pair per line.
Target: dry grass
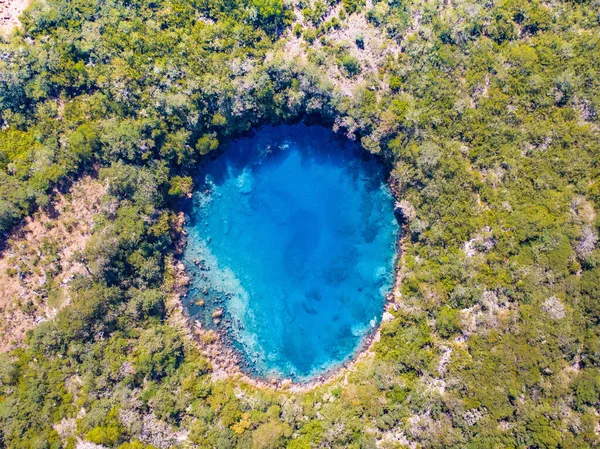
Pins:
x,y
37,262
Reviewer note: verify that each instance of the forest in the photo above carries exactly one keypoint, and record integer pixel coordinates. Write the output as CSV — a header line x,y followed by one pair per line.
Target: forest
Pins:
x,y
487,117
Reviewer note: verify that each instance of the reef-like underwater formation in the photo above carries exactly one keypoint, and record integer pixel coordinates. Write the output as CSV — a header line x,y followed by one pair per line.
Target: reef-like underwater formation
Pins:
x,y
291,246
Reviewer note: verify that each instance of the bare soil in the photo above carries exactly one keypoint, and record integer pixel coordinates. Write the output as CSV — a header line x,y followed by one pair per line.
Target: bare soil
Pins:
x,y
38,263
10,10
377,49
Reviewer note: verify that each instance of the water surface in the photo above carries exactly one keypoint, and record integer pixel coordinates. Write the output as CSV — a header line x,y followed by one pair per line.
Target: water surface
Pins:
x,y
291,234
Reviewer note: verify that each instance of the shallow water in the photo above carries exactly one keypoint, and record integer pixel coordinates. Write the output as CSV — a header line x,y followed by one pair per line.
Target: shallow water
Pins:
x,y
292,233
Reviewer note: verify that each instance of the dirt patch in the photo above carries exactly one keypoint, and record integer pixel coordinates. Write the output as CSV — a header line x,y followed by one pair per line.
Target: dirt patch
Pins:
x,y
375,50
38,263
10,10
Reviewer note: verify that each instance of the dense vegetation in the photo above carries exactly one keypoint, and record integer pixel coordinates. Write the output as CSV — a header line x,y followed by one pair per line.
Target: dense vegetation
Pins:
x,y
487,115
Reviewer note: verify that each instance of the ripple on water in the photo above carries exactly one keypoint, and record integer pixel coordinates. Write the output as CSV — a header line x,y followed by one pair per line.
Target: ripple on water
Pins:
x,y
292,233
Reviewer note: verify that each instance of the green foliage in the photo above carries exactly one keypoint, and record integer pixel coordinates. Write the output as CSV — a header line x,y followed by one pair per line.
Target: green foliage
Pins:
x,y
352,6
103,435
395,83
486,116
360,42
351,65
407,341
181,186
136,445
159,354
587,389
590,288
83,144
270,435
270,13
206,144
298,30
447,322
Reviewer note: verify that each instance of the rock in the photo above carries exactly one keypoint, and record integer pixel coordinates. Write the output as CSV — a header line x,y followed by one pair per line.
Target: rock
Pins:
x,y
587,242
555,308
405,211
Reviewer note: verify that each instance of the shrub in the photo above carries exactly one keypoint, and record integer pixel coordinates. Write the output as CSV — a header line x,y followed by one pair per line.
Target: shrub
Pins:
x,y
351,65
447,322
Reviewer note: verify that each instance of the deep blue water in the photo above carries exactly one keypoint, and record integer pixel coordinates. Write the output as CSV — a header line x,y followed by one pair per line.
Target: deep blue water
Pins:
x,y
294,232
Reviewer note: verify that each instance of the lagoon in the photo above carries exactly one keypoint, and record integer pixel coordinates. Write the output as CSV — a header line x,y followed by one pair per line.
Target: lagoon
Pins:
x,y
291,237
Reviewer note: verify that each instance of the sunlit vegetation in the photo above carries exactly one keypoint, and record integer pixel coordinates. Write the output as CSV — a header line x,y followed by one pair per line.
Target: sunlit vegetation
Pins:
x,y
487,115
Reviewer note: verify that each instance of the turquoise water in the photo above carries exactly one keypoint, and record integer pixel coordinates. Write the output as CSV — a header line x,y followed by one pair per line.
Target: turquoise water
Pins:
x,y
292,234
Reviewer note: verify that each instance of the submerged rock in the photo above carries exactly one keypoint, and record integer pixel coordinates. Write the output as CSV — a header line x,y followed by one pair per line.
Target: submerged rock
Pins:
x,y
295,247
